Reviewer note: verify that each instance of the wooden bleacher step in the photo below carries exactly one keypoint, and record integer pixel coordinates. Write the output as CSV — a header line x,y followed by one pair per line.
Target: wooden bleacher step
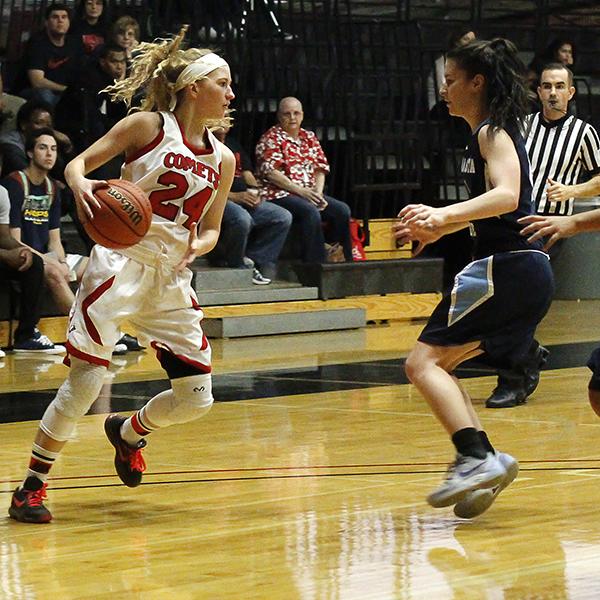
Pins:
x,y
284,322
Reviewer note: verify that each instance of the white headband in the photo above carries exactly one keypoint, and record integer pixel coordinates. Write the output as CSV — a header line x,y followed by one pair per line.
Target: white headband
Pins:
x,y
199,68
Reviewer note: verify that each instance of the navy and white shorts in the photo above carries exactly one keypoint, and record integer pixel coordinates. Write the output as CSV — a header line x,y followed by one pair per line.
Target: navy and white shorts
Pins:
x,y
498,300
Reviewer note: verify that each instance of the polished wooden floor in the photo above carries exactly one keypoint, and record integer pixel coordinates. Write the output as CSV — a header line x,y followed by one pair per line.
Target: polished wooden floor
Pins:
x,y
312,486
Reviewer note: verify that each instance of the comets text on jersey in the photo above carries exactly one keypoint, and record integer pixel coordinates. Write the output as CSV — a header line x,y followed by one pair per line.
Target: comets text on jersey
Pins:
x,y
179,162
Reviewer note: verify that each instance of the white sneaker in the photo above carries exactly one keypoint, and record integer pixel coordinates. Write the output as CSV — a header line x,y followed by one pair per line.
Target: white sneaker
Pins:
x,y
477,502
258,278
2,353
39,344
464,475
120,349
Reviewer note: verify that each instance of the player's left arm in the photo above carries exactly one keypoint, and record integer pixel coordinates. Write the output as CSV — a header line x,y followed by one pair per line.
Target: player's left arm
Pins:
x,y
204,236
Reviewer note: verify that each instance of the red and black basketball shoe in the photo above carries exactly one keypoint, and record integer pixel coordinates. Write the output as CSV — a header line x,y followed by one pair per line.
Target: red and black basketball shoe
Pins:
x,y
129,462
27,503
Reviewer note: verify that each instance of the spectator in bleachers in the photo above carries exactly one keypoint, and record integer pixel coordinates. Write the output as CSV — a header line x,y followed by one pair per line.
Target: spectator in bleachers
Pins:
x,y
18,263
125,32
557,51
251,228
90,24
435,79
52,58
35,210
293,167
32,115
9,105
86,113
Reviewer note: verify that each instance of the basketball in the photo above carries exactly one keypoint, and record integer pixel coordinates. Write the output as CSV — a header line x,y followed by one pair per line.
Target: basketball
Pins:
x,y
124,218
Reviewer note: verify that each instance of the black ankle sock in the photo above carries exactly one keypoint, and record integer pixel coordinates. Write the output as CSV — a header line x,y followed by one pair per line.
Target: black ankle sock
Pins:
x,y
468,442
486,441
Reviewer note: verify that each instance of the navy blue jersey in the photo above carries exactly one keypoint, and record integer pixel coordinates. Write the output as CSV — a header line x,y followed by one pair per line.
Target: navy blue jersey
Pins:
x,y
34,209
498,234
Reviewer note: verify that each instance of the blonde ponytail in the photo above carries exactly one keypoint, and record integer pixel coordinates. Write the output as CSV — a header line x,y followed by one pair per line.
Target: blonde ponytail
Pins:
x,y
155,69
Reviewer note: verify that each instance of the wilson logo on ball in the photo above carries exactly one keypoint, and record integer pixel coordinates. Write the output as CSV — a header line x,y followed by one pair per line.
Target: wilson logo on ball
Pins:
x,y
127,207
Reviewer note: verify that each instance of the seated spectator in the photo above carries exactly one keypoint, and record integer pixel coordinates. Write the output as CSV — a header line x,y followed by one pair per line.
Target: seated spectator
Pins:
x,y
85,113
34,114
90,24
9,105
251,228
293,166
20,264
125,32
52,59
35,201
35,217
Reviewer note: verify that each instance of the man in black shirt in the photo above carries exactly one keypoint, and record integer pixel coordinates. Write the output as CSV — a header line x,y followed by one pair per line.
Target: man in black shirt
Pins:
x,y
52,57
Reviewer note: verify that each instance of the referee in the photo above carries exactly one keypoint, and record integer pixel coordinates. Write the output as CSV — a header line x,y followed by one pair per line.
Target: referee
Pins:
x,y
561,148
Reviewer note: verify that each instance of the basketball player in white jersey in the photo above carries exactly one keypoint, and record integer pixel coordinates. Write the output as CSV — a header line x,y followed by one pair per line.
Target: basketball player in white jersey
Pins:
x,y
186,172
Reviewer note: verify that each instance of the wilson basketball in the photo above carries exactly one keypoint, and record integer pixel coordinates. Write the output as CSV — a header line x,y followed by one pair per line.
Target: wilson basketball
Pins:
x,y
124,218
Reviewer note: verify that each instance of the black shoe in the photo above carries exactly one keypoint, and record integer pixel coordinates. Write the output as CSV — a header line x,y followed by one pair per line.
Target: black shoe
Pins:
x,y
131,343
532,375
129,462
27,503
506,397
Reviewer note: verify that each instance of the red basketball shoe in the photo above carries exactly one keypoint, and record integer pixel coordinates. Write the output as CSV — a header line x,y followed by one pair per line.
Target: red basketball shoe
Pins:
x,y
129,462
27,503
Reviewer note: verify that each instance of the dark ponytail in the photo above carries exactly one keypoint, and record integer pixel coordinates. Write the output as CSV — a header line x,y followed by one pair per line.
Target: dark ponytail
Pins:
x,y
506,88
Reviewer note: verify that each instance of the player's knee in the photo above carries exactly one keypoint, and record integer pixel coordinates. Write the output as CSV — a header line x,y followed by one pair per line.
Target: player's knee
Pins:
x,y
413,367
56,425
80,389
193,398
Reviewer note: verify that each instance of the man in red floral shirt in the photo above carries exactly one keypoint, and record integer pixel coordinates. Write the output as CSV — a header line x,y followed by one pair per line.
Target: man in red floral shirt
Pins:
x,y
292,165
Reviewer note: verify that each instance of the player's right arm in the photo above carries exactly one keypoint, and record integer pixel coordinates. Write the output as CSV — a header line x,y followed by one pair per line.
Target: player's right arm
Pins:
x,y
126,137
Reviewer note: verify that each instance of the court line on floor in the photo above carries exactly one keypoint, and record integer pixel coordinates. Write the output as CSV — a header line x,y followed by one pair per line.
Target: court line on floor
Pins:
x,y
294,476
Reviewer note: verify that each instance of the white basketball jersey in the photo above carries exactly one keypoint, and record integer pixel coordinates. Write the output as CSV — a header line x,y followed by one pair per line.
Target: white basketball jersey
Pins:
x,y
181,182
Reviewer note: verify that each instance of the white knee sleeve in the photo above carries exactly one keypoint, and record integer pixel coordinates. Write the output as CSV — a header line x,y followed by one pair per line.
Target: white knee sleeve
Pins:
x,y
189,399
80,389
56,425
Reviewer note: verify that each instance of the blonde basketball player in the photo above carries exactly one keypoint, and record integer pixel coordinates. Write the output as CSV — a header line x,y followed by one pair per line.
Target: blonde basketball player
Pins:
x,y
186,172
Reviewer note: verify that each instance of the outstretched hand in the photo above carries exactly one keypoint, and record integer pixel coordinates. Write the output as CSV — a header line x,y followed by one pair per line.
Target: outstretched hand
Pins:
x,y
543,226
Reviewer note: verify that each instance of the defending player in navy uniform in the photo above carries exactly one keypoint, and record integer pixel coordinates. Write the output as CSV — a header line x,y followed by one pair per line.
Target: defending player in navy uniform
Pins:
x,y
498,299
186,172
551,229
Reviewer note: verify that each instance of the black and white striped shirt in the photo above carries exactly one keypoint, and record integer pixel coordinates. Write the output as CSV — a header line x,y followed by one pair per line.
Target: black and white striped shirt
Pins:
x,y
559,150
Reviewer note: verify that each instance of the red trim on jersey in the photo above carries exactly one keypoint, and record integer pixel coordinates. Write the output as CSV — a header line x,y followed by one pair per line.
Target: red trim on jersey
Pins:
x,y
95,360
195,149
147,148
89,324
185,359
195,304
